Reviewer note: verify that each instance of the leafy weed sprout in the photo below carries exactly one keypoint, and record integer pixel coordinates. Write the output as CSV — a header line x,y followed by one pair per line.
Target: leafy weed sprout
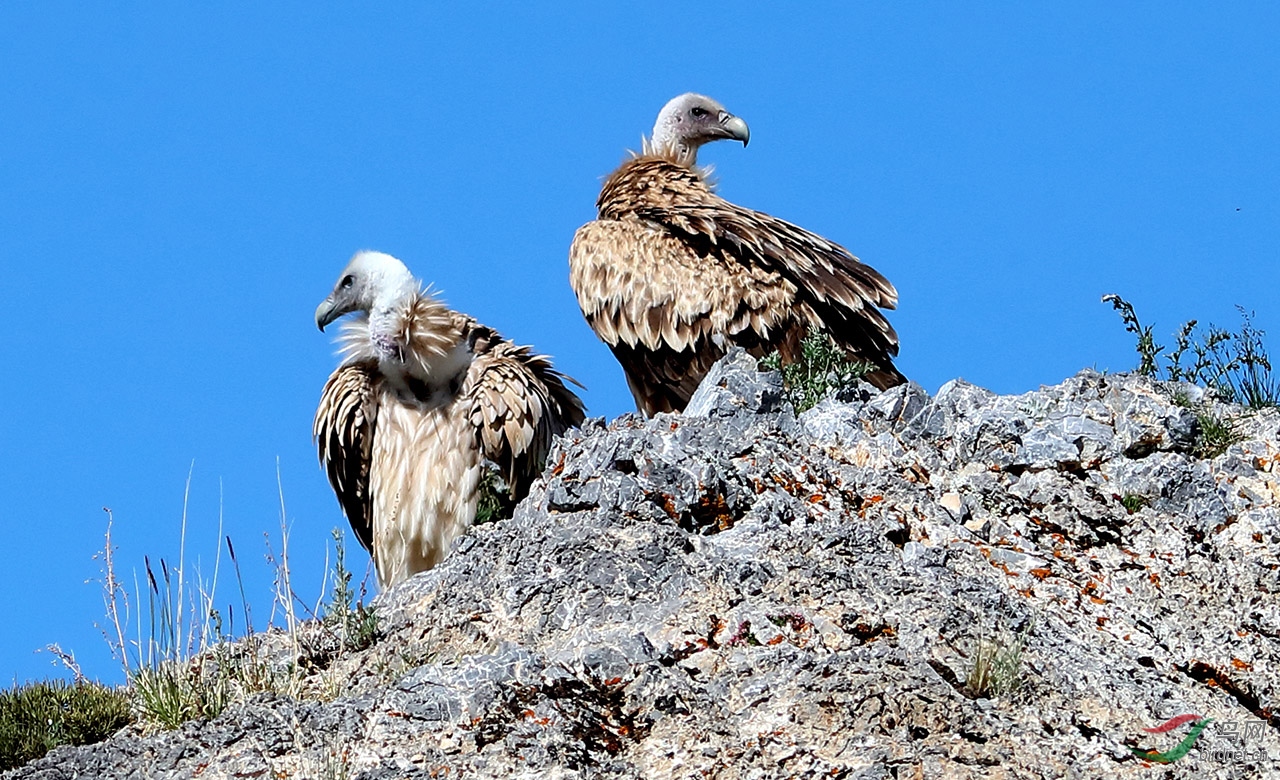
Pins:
x,y
355,624
1234,366
494,502
823,367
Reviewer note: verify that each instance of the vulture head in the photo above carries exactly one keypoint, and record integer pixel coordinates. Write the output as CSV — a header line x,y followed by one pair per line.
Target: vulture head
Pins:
x,y
691,120
371,282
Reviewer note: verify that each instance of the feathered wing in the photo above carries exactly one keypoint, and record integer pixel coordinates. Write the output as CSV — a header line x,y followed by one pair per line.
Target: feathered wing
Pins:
x,y
660,306
343,430
670,264
517,403
834,290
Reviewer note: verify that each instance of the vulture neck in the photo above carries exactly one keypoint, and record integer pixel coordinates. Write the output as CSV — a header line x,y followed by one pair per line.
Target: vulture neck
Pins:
x,y
666,143
387,319
421,351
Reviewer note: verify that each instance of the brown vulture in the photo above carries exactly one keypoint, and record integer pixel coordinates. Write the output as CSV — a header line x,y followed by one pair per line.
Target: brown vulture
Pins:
x,y
423,396
670,274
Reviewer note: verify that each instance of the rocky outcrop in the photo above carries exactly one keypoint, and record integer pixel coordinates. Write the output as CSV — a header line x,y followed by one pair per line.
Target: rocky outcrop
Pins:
x,y
743,592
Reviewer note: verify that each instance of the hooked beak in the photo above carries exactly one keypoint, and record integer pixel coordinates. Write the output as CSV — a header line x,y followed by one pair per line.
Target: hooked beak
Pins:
x,y
735,128
327,312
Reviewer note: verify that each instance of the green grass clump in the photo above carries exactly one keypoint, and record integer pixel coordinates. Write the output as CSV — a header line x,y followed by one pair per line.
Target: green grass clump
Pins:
x,y
823,367
38,717
176,677
1132,502
996,666
189,660
171,693
1216,433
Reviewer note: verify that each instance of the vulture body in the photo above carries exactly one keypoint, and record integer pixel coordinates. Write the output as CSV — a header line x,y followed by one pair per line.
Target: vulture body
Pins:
x,y
670,274
423,396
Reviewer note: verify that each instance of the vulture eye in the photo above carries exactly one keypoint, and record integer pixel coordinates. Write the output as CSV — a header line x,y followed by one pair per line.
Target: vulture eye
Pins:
x,y
347,281
698,111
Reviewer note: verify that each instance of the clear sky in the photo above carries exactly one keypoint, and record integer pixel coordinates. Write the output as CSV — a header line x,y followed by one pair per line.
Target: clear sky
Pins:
x,y
180,188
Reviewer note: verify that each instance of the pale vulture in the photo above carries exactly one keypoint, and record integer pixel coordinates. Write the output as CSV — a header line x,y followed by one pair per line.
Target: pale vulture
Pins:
x,y
670,274
425,395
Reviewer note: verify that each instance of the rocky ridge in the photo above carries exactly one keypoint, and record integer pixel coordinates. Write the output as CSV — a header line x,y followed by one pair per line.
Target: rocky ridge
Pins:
x,y
743,592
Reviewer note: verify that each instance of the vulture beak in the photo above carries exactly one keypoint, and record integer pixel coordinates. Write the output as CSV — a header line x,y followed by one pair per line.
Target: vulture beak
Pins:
x,y
735,128
327,312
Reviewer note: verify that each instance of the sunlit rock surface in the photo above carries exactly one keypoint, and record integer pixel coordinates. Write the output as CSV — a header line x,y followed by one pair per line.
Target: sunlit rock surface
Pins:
x,y
744,592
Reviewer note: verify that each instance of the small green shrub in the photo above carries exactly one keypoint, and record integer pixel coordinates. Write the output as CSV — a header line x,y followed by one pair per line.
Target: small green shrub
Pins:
x,y
40,716
494,502
355,623
823,367
1235,366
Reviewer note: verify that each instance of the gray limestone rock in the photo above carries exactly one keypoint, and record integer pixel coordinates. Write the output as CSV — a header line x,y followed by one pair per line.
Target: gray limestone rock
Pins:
x,y
735,592
733,387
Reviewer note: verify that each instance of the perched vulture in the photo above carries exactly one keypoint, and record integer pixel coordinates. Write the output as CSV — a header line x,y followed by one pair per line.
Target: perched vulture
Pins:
x,y
670,274
425,395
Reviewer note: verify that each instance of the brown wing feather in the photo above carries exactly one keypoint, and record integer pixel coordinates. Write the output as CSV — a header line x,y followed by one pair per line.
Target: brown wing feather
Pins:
x,y
664,379
518,403
844,293
660,306
835,292
656,215
343,430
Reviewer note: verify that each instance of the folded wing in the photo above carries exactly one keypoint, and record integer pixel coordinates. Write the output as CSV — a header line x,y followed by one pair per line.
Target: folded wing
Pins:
x,y
343,430
517,404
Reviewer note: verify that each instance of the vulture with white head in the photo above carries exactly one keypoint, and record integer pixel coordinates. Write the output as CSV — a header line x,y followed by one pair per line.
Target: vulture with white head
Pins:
x,y
423,396
670,274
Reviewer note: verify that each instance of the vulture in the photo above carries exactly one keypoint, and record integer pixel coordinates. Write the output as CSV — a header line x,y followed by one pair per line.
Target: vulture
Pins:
x,y
422,398
670,274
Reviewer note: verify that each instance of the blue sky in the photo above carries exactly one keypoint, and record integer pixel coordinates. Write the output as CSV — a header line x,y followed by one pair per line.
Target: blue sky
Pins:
x,y
180,188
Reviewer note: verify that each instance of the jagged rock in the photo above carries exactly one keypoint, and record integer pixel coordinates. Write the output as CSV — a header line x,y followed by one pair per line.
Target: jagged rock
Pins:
x,y
738,592
733,386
